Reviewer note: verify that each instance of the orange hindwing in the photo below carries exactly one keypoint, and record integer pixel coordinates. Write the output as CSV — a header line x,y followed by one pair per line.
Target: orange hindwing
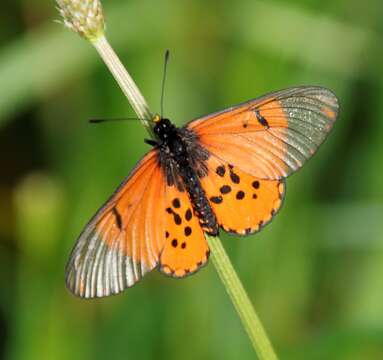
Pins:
x,y
186,249
242,203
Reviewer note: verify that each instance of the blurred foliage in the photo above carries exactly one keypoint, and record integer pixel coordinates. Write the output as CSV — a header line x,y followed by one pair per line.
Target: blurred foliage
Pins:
x,y
314,274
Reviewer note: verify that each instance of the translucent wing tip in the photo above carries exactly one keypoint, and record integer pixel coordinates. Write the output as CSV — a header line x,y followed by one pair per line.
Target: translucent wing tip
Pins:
x,y
97,270
324,98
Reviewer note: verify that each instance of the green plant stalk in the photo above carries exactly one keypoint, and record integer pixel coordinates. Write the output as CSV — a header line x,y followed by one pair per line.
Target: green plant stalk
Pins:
x,y
240,300
127,84
230,279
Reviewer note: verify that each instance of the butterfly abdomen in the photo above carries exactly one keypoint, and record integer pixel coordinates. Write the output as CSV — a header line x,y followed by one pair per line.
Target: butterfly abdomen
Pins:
x,y
190,158
201,205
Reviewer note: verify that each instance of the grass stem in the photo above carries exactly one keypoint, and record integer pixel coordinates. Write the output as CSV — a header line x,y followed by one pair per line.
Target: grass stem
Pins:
x,y
240,300
125,81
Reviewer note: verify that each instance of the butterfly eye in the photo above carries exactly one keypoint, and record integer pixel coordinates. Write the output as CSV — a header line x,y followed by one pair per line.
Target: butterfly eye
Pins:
x,y
157,129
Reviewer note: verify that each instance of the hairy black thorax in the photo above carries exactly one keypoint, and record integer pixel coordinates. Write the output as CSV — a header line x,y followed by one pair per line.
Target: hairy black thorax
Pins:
x,y
183,161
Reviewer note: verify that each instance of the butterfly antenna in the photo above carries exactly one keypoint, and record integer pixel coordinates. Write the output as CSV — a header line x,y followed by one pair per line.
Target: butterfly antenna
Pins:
x,y
98,121
163,81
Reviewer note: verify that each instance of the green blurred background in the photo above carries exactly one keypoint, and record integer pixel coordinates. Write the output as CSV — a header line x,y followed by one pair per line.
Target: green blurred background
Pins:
x,y
314,275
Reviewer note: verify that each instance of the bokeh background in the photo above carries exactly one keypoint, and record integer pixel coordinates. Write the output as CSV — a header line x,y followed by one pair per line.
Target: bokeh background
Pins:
x,y
314,275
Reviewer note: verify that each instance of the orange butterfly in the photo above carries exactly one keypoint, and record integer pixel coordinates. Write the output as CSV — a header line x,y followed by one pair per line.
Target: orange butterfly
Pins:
x,y
224,170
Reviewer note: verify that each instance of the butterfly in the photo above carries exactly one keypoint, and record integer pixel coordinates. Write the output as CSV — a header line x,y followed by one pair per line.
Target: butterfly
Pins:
x,y
225,170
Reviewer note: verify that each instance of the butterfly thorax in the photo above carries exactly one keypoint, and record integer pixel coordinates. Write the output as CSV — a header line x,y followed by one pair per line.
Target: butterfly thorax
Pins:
x,y
171,140
183,160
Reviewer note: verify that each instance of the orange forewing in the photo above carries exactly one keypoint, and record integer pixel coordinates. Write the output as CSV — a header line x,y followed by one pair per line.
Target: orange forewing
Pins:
x,y
124,239
272,136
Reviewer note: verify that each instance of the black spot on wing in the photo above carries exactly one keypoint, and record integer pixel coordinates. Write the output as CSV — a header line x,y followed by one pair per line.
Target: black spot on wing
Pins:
x,y
188,215
234,178
216,199
117,215
188,231
220,171
177,219
225,189
240,195
261,119
176,203
255,184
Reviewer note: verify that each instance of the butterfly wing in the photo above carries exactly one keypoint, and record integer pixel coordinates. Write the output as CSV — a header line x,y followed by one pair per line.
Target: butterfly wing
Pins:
x,y
254,146
242,203
186,249
124,239
147,222
272,136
